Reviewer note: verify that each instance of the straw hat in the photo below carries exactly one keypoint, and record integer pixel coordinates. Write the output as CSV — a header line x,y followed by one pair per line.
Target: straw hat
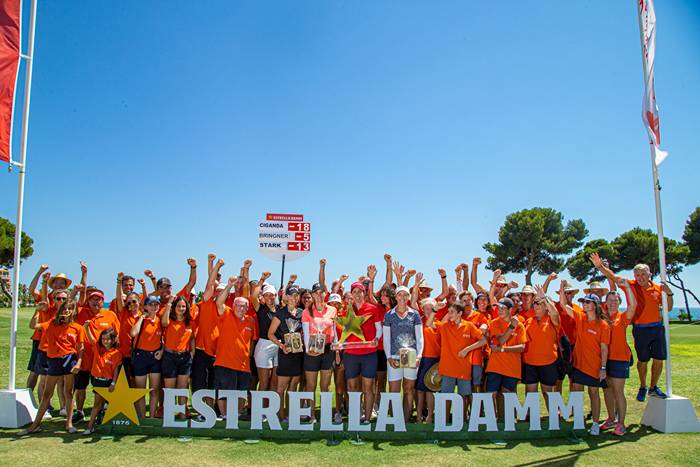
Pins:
x,y
596,287
432,378
60,275
528,289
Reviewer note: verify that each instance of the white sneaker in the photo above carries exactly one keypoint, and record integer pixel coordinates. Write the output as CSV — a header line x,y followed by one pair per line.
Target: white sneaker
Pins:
x,y
595,429
47,416
62,412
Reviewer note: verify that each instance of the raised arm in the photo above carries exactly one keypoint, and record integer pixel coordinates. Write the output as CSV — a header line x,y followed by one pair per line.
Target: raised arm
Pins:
x,y
144,292
398,272
339,283
492,289
629,295
407,278
35,280
83,282
600,266
371,274
415,292
45,286
209,289
445,287
245,273
389,273
88,334
322,273
548,280
223,295
192,280
257,289
119,293
211,257
474,279
465,276
148,273
562,300
165,317
551,309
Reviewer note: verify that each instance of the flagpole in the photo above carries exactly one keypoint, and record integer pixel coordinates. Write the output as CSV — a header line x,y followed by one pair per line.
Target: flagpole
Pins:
x,y
659,221
20,196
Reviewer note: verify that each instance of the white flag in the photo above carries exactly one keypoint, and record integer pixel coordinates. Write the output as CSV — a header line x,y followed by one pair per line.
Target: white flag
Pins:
x,y
650,111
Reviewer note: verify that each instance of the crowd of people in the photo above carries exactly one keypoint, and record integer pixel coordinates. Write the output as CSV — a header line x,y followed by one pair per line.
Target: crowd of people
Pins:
x,y
243,334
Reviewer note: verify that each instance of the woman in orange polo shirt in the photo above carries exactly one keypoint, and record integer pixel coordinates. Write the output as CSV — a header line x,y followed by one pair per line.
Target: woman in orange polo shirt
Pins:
x,y
146,360
178,348
541,351
106,362
480,316
619,356
128,312
65,340
425,401
591,350
507,338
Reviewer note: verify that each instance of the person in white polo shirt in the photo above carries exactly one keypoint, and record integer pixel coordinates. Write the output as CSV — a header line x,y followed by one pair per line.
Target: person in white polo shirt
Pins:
x,y
403,329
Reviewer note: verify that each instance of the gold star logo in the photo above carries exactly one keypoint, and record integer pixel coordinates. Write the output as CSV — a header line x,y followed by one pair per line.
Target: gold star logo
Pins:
x,y
351,324
121,399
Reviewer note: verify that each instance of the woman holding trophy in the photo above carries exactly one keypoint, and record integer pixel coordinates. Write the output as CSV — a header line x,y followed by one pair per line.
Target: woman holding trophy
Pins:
x,y
318,324
403,342
285,333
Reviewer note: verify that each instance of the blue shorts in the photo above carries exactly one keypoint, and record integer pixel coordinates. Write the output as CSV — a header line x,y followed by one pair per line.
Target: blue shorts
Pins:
x,y
145,363
100,382
356,365
34,355
496,381
447,386
649,342
82,379
174,364
228,379
61,366
579,377
618,369
41,366
543,374
425,364
477,374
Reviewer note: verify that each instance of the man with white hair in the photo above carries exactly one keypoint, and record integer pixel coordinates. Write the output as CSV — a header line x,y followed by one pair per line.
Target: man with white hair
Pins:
x,y
648,329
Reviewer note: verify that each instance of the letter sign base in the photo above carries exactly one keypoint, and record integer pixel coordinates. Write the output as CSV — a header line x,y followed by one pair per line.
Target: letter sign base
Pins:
x,y
16,408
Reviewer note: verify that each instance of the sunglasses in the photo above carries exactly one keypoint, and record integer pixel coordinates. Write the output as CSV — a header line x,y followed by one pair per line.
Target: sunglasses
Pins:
x,y
129,302
60,299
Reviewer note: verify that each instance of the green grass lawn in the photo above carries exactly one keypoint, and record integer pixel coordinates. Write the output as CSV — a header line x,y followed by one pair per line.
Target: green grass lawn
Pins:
x,y
641,446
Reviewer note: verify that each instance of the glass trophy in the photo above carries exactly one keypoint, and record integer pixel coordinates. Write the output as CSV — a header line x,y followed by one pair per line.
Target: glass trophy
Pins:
x,y
292,339
407,352
317,340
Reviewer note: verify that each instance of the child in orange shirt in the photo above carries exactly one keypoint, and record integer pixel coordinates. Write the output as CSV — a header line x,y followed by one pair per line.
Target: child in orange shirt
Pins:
x,y
106,362
147,354
65,340
507,342
458,338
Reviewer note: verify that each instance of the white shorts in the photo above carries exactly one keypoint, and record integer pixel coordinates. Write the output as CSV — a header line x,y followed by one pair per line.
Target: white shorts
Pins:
x,y
265,354
397,374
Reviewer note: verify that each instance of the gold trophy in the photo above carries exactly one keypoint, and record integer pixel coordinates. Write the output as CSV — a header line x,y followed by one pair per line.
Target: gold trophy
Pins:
x,y
351,325
292,339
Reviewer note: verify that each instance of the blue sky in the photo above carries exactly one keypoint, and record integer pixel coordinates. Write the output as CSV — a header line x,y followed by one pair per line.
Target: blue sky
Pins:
x,y
162,130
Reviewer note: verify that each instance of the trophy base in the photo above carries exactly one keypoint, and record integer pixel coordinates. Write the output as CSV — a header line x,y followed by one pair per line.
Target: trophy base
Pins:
x,y
353,345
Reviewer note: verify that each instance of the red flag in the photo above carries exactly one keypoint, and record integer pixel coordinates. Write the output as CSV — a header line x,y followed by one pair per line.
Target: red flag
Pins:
x,y
10,17
650,111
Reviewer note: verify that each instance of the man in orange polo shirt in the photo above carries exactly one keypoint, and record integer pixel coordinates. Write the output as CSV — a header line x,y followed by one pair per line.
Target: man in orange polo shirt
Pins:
x,y
236,332
647,328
